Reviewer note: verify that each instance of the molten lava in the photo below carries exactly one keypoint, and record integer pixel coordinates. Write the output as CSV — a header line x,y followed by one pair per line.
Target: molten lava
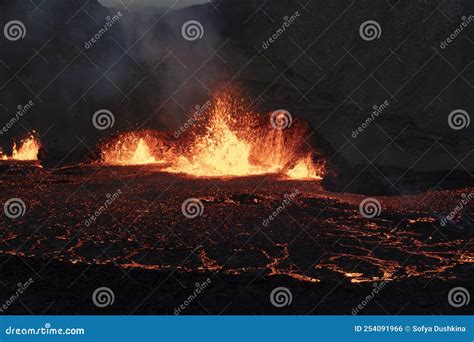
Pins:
x,y
238,142
27,149
219,151
130,149
228,141
304,169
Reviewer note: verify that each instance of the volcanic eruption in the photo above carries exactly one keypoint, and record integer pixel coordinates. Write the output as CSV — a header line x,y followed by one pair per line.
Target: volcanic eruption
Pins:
x,y
228,140
27,150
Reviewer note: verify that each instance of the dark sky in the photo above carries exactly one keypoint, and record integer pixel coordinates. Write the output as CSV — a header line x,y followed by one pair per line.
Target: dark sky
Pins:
x,y
157,3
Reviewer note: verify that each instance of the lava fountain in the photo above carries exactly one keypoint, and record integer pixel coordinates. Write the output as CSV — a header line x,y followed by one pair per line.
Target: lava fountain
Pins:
x,y
228,140
135,148
27,150
238,142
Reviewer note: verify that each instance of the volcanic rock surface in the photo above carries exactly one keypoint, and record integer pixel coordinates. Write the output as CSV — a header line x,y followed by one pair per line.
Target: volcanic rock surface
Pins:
x,y
142,246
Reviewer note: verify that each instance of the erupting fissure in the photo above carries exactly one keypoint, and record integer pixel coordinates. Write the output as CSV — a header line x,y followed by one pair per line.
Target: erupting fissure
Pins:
x,y
227,141
27,150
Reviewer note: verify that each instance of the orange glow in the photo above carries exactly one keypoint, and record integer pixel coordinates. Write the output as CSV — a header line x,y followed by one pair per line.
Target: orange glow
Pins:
x,y
237,142
130,149
226,141
219,151
304,169
27,150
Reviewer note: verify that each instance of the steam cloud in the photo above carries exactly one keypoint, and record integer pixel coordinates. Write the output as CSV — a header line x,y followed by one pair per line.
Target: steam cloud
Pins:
x,y
141,69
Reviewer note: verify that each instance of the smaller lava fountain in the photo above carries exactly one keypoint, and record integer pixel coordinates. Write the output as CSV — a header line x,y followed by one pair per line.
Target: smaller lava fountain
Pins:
x,y
135,148
26,151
